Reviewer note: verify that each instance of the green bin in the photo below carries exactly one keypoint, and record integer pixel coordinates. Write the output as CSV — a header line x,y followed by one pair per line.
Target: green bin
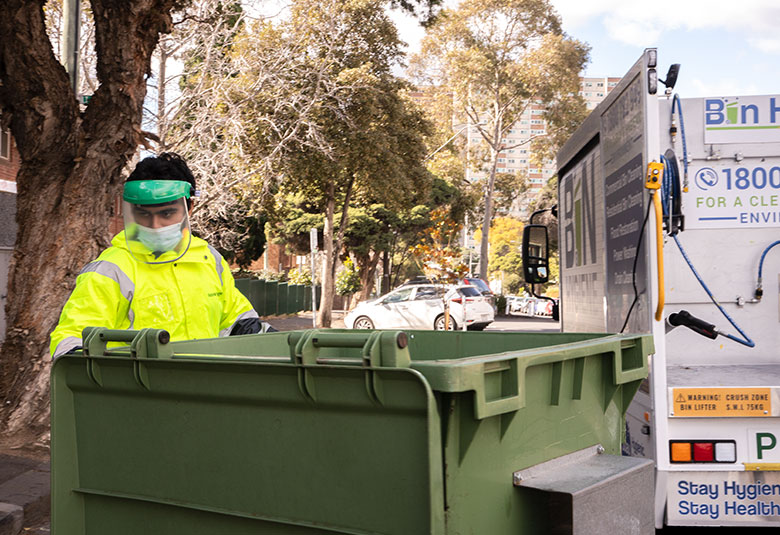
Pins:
x,y
327,431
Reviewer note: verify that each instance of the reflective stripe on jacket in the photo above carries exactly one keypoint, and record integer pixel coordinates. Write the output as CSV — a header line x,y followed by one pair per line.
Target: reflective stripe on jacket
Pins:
x,y
194,297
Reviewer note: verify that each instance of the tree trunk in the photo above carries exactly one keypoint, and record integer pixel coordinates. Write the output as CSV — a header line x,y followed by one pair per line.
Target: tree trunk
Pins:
x,y
332,248
367,274
483,245
70,174
162,123
385,272
324,315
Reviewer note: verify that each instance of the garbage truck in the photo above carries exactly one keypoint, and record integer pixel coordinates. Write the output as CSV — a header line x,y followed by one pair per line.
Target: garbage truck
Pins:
x,y
326,432
668,215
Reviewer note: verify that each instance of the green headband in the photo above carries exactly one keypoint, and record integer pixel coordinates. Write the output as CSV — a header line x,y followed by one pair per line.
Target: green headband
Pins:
x,y
155,191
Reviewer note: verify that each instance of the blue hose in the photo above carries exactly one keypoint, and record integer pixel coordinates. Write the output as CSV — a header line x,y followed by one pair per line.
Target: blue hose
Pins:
x,y
747,341
761,263
670,186
676,99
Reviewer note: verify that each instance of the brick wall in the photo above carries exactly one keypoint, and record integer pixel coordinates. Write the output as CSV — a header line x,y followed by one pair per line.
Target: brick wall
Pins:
x,y
278,259
9,167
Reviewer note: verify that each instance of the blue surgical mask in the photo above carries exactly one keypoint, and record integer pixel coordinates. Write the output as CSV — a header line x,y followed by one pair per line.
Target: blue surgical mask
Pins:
x,y
160,240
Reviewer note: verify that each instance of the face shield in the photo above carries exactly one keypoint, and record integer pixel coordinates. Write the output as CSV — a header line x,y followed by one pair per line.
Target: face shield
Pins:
x,y
157,224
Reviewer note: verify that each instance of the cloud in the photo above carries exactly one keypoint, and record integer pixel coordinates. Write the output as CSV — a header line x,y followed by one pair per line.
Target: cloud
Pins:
x,y
637,23
721,87
768,45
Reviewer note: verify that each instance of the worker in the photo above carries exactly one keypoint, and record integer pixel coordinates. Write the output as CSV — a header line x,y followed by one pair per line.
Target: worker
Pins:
x,y
156,274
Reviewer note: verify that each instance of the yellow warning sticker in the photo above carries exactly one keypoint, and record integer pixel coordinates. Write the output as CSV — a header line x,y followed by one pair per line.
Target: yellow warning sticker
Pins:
x,y
721,402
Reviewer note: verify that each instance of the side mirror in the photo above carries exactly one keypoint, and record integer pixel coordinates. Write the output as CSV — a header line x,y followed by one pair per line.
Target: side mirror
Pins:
x,y
535,254
671,76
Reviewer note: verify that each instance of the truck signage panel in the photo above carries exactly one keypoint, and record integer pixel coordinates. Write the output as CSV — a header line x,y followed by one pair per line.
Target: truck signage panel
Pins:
x,y
764,444
752,119
581,214
622,126
734,195
720,402
723,498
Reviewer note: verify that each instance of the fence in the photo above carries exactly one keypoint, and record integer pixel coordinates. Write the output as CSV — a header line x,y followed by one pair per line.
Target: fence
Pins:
x,y
271,298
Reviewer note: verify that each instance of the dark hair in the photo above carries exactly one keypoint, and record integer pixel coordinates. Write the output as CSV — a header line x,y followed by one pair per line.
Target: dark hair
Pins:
x,y
166,166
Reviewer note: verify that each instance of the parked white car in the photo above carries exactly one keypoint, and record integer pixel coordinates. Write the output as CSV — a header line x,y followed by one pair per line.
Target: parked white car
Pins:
x,y
421,306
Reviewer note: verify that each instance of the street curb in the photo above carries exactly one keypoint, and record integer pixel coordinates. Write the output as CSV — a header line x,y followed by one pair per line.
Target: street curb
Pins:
x,y
11,519
25,499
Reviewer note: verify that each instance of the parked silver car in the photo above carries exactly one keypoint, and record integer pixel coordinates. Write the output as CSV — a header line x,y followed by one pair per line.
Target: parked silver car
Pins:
x,y
421,306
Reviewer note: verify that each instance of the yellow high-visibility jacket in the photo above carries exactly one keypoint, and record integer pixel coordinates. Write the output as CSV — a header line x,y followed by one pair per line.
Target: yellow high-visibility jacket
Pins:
x,y
193,297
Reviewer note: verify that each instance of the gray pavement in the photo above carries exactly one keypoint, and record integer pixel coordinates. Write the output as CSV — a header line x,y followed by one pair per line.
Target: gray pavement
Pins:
x,y
524,323
24,495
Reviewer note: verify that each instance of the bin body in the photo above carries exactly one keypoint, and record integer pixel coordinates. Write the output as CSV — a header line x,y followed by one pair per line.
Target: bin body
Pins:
x,y
328,431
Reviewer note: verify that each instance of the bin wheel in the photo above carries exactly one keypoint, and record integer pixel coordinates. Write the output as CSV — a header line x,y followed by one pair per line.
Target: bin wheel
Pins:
x,y
364,322
438,325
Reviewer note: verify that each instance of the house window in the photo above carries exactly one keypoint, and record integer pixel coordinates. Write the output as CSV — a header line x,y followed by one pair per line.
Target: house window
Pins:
x,y
5,144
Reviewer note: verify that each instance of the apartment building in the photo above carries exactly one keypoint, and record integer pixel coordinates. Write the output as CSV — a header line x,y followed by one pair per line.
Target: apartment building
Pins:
x,y
532,124
517,155
594,90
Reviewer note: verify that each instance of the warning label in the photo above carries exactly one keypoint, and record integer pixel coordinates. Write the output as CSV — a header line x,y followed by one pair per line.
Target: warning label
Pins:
x,y
721,402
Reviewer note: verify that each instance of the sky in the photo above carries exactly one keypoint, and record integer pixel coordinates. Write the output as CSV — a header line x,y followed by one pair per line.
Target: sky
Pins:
x,y
724,48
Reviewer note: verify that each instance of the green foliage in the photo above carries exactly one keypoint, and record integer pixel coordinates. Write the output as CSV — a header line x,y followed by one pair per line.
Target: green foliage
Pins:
x,y
299,276
268,275
506,238
497,58
370,230
292,227
513,284
348,280
501,303
239,238
546,198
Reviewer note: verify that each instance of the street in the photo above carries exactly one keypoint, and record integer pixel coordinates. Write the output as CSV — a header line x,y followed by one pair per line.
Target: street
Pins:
x,y
524,323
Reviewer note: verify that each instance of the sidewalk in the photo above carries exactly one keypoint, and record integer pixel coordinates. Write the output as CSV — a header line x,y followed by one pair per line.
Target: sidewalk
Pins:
x,y
303,320
24,496
25,493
